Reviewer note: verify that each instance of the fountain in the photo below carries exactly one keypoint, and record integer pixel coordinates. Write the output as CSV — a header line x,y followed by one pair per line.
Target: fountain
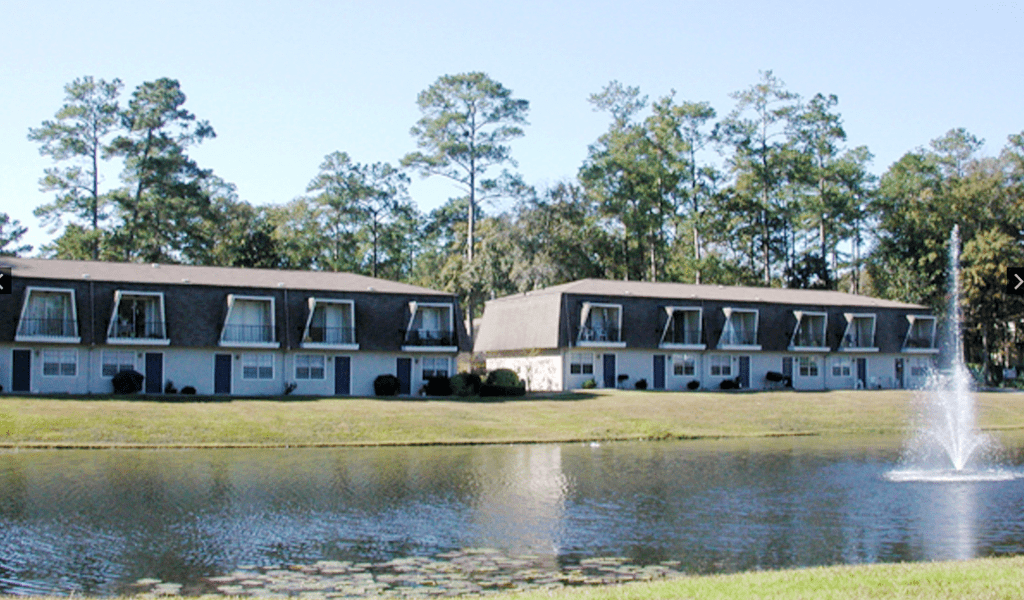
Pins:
x,y
948,445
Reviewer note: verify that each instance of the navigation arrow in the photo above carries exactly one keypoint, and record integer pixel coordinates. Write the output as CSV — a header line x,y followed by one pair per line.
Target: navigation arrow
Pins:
x,y
1015,281
1019,281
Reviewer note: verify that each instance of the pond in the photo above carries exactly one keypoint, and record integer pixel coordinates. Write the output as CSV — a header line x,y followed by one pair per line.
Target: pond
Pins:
x,y
103,522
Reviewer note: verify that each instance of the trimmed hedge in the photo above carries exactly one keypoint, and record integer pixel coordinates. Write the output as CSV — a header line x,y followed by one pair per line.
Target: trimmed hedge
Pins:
x,y
386,385
466,384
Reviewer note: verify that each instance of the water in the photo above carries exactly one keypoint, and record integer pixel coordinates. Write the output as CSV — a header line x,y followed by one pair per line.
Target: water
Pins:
x,y
94,522
948,445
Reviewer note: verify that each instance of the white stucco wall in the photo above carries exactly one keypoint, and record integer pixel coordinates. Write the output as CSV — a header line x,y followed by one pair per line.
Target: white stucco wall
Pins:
x,y
541,373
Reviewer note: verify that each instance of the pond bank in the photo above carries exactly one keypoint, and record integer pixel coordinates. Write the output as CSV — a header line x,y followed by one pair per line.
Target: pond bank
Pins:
x,y
601,415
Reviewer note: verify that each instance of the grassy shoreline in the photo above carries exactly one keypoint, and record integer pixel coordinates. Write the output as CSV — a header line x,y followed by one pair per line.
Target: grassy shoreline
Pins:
x,y
603,415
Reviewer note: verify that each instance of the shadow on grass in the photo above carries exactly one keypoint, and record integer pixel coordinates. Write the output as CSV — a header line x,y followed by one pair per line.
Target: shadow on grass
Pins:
x,y
202,398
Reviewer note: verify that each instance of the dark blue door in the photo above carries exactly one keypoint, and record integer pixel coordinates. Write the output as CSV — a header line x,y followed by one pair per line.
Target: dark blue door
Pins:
x,y
745,372
21,371
609,370
862,372
222,374
342,375
405,376
154,372
659,371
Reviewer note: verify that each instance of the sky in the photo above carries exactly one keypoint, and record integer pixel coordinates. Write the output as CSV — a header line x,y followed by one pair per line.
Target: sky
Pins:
x,y
285,83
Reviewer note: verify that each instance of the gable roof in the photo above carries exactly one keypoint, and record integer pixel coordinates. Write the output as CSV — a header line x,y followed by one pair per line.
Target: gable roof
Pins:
x,y
238,277
721,293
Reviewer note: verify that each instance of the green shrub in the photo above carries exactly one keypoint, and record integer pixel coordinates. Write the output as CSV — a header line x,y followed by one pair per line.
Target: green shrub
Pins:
x,y
589,384
386,385
438,386
503,378
466,384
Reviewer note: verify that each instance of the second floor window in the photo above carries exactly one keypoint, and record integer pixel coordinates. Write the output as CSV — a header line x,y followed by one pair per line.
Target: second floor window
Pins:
x,y
921,334
430,325
860,331
137,316
601,323
740,328
331,322
683,327
49,313
810,330
250,320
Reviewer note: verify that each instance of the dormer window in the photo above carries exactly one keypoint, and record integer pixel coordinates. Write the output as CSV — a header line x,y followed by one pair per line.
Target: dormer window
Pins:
x,y
249,322
330,324
920,334
740,331
859,334
683,329
431,327
600,325
48,315
810,331
137,318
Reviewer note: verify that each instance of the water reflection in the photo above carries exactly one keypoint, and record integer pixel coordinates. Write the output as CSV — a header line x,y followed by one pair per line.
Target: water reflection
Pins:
x,y
90,522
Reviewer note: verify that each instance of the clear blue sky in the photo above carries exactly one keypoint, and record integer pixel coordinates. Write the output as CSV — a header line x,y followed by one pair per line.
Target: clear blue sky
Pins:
x,y
285,83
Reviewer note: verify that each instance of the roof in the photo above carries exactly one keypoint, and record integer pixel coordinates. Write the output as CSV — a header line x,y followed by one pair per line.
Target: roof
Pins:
x,y
236,277
722,293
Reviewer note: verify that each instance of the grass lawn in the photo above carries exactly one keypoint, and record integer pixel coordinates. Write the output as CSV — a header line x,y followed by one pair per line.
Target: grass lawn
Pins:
x,y
596,415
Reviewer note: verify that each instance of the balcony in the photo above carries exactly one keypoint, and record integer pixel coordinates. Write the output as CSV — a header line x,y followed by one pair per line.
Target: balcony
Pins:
x,y
47,328
248,334
330,324
141,332
333,336
738,338
249,323
429,338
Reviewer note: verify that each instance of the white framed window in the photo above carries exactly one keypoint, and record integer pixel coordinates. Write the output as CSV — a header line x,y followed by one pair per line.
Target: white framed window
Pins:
x,y
48,314
115,361
683,327
249,322
138,317
435,366
310,366
740,328
720,365
60,363
860,331
331,322
919,367
808,366
841,367
257,366
810,330
684,365
431,325
600,324
920,334
581,363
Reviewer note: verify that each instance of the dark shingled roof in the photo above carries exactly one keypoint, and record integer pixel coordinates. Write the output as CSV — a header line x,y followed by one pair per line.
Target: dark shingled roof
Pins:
x,y
212,276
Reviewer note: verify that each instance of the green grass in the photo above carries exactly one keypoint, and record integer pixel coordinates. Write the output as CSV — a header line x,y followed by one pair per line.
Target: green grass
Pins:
x,y
595,415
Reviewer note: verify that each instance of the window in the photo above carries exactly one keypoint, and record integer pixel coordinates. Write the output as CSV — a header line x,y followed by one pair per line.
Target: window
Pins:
x,y
257,366
308,366
60,363
860,331
919,367
721,365
435,367
48,313
581,363
683,326
841,367
683,365
250,321
921,334
137,316
808,366
430,325
115,361
330,322
810,330
600,323
740,327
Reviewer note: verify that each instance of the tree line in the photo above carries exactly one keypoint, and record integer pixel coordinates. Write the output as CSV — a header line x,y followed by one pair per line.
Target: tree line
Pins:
x,y
767,194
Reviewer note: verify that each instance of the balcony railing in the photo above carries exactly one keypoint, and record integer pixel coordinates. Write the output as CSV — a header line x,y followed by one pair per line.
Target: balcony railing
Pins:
x,y
248,333
331,335
600,334
856,340
809,339
739,338
682,336
919,342
149,330
48,328
429,337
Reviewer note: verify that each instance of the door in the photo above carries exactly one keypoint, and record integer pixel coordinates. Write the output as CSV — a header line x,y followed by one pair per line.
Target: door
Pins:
x,y
745,372
659,371
342,375
862,373
154,372
609,370
899,373
21,371
222,374
405,376
787,369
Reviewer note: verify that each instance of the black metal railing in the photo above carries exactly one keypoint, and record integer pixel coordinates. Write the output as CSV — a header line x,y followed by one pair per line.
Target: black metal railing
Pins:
x,y
919,342
682,336
739,338
331,335
48,327
600,334
809,339
248,333
149,330
856,340
429,337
